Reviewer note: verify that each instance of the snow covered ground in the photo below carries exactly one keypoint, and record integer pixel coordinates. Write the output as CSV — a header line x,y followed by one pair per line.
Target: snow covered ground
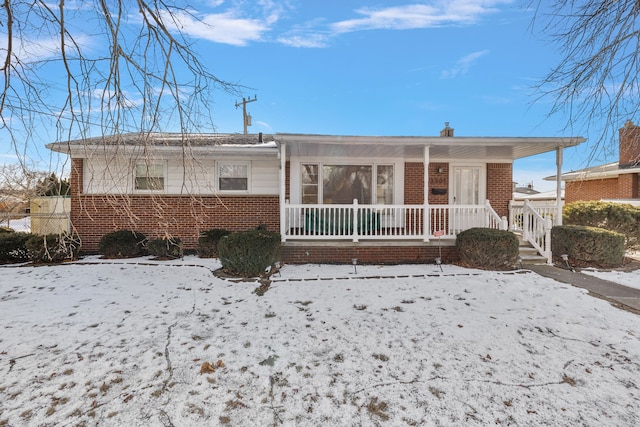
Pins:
x,y
630,280
124,344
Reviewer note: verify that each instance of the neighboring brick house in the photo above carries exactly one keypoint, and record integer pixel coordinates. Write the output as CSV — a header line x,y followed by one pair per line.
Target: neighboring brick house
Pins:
x,y
613,181
332,198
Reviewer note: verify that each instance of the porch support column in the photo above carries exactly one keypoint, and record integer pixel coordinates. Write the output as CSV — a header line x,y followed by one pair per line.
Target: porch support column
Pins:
x,y
282,155
426,232
558,215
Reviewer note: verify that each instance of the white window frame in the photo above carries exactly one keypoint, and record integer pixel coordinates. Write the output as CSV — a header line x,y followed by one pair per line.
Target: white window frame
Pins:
x,y
221,164
296,174
162,164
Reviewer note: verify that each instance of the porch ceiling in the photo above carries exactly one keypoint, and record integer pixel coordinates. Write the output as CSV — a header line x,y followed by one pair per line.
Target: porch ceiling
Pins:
x,y
441,148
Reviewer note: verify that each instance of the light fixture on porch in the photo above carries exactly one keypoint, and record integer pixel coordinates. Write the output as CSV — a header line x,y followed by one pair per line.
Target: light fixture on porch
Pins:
x,y
440,170
354,261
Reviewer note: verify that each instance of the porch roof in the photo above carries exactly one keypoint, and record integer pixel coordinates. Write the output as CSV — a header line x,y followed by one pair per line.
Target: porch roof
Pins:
x,y
440,148
313,145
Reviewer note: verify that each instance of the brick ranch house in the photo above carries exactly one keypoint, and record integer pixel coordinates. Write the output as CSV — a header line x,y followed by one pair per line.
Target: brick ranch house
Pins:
x,y
332,198
618,181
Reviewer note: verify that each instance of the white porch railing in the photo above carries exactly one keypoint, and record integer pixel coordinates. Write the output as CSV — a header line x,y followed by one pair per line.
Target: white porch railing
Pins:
x,y
535,225
516,213
385,222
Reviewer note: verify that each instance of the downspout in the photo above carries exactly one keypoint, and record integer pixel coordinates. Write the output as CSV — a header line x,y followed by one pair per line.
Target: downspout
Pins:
x,y
558,215
282,155
426,232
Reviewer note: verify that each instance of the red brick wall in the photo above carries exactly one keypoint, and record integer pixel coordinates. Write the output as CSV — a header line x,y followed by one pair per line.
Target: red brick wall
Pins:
x,y
595,189
500,186
629,137
367,255
177,216
414,183
628,186
93,216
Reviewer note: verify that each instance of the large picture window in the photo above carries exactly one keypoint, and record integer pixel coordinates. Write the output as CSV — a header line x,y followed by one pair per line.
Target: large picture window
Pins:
x,y
233,177
149,176
341,184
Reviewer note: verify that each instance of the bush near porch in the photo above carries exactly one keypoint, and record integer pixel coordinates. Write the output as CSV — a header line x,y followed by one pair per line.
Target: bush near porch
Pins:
x,y
249,253
618,217
587,246
487,248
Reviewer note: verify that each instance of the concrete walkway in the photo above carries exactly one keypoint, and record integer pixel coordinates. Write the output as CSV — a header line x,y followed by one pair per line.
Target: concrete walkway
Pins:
x,y
621,296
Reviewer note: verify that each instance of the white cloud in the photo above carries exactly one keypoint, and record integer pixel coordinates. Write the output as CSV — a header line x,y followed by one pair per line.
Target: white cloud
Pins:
x,y
304,40
226,28
463,64
431,14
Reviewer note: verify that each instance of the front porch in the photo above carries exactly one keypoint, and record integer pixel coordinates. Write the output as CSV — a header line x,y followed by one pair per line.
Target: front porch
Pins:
x,y
411,195
402,233
357,222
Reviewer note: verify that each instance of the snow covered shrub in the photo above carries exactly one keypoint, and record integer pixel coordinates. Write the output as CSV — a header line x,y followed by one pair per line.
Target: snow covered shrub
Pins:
x,y
208,242
12,247
249,253
52,248
587,246
165,248
488,248
122,244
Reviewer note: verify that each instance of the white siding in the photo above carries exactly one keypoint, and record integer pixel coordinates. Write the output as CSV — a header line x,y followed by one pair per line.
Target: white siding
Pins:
x,y
265,176
115,176
103,176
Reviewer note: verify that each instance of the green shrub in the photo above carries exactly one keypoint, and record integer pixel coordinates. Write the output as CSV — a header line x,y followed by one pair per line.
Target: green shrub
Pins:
x,y
488,248
52,248
5,230
249,253
208,242
165,248
618,217
12,247
587,246
122,244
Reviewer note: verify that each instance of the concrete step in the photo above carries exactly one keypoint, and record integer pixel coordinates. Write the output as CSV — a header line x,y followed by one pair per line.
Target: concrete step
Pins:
x,y
532,259
529,255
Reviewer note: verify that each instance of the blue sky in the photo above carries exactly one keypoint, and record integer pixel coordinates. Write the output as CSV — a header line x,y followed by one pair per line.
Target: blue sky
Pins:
x,y
384,68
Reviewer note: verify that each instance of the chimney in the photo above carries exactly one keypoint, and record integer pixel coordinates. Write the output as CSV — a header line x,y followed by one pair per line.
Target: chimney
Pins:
x,y
447,131
629,136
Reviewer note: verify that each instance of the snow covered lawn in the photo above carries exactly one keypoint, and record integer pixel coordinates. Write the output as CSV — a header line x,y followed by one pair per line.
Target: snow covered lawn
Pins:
x,y
124,345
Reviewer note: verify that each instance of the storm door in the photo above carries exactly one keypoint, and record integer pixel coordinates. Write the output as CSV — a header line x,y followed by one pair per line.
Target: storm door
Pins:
x,y
467,196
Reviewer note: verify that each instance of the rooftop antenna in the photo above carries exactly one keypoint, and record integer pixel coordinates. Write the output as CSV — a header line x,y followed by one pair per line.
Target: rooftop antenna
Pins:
x,y
246,118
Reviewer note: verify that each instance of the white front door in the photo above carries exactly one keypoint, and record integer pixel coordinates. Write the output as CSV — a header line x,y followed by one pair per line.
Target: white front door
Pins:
x,y
467,193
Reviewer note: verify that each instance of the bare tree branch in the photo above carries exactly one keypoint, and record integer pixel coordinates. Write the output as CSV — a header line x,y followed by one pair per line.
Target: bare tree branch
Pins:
x,y
596,82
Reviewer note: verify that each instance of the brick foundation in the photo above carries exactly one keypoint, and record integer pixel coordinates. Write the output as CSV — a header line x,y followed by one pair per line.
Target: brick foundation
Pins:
x,y
383,254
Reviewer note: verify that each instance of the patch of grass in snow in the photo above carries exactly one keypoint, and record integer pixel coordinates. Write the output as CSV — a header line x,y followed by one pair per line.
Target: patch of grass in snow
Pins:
x,y
269,361
27,414
381,357
194,409
378,408
568,380
436,392
235,404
